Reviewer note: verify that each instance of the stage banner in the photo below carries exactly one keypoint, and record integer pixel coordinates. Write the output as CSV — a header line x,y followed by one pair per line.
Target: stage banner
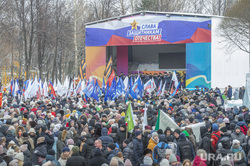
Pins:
x,y
198,65
149,29
96,62
1,99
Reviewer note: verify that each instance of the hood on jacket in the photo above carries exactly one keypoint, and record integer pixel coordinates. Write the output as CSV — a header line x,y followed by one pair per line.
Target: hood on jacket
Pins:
x,y
215,127
160,144
4,129
225,143
198,160
104,131
182,136
115,152
203,130
241,123
199,117
89,141
19,128
162,138
98,152
50,158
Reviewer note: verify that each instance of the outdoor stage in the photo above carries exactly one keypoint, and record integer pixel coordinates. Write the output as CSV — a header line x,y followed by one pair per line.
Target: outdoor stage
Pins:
x,y
157,42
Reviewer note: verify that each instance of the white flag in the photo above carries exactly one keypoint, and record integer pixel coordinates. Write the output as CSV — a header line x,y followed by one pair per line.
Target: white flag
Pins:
x,y
174,78
145,119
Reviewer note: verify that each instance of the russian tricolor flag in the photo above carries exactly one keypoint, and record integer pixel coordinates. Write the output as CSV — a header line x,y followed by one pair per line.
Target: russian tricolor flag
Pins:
x,y
176,90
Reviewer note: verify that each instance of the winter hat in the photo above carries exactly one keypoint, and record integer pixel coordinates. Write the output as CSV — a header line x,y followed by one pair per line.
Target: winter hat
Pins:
x,y
240,118
112,146
148,127
164,162
225,161
154,134
137,133
237,127
24,147
51,152
24,134
28,163
220,120
14,120
226,120
75,149
127,163
147,160
147,151
40,140
70,142
31,130
177,131
223,129
215,127
126,141
172,158
168,151
13,163
19,156
65,149
235,141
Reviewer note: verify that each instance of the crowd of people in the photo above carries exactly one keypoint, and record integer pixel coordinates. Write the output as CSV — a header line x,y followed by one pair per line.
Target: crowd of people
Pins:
x,y
77,132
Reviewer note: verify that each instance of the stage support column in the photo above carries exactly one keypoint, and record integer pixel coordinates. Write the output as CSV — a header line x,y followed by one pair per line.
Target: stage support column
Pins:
x,y
122,59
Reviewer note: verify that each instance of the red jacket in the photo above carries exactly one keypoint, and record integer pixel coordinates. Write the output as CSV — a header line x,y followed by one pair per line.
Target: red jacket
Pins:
x,y
215,137
198,161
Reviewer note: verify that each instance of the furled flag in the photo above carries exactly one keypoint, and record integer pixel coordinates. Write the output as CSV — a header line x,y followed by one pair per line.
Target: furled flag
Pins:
x,y
82,70
129,118
79,87
176,90
52,90
125,83
45,89
163,121
119,87
159,89
163,89
95,91
103,86
145,118
174,78
111,91
112,76
108,69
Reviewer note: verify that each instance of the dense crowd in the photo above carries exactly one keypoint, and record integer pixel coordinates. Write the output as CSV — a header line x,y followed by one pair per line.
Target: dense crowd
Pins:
x,y
77,132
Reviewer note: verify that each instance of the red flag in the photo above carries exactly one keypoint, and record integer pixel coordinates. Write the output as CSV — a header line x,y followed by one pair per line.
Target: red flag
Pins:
x,y
52,90
172,90
111,77
1,98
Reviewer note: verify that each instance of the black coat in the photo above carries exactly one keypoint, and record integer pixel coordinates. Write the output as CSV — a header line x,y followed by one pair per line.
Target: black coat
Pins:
x,y
185,149
105,138
49,139
138,151
128,152
41,150
205,142
76,160
87,148
10,137
103,150
111,154
120,137
98,160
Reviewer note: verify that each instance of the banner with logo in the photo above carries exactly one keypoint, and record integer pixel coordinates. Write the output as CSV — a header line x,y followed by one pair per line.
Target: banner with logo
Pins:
x,y
149,29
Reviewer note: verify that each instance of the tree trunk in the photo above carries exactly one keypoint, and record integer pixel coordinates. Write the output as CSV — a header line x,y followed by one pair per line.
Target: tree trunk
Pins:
x,y
75,42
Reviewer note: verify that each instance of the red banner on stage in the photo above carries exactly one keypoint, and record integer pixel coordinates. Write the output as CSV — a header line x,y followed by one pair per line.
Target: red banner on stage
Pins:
x,y
1,98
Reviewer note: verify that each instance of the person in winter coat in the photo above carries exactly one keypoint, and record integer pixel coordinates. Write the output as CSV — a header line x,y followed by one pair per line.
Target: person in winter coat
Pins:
x,y
76,159
191,136
64,156
127,150
112,151
121,134
87,148
10,137
160,149
242,124
26,153
229,92
113,133
224,151
138,149
51,157
215,136
40,152
146,136
98,160
154,140
237,134
185,149
60,144
199,159
240,156
98,145
105,138
48,137
236,94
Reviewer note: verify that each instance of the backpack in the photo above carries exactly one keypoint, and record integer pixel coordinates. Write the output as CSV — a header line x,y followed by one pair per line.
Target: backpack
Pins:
x,y
173,146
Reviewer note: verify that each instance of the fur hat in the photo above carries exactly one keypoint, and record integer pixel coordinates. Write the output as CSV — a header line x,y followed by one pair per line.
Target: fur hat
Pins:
x,y
31,130
70,142
40,140
19,156
24,147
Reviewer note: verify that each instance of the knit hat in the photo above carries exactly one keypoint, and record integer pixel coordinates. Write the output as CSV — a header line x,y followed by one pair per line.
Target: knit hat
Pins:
x,y
75,149
65,149
172,158
14,120
126,141
24,134
226,120
112,146
154,134
168,151
70,142
164,162
51,152
19,156
147,160
235,141
127,163
223,129
28,163
148,127
177,131
13,163
31,130
137,133
24,147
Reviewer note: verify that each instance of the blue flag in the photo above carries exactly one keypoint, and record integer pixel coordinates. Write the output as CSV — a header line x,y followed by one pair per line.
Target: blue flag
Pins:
x,y
103,86
111,91
159,89
89,89
136,88
95,92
